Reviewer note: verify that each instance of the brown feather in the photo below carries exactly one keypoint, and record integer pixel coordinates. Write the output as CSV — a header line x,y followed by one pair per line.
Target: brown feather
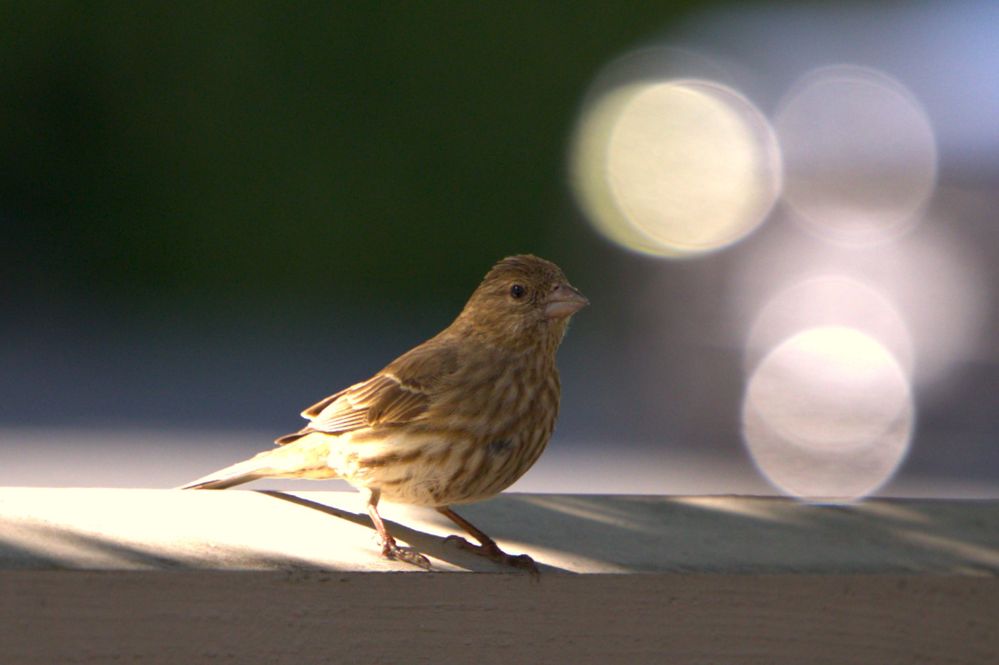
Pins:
x,y
458,418
461,416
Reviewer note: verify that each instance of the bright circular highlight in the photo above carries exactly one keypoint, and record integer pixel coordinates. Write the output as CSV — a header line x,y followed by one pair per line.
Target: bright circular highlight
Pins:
x,y
828,414
860,157
830,301
675,168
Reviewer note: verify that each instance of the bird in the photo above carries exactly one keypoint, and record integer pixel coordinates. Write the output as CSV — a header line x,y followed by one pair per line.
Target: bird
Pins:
x,y
455,420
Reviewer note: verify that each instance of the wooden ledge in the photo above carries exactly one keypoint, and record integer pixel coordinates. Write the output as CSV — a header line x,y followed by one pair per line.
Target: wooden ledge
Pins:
x,y
166,576
100,529
120,529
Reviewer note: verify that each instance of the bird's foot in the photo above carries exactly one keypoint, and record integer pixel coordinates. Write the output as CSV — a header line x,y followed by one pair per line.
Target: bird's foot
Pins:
x,y
491,551
405,554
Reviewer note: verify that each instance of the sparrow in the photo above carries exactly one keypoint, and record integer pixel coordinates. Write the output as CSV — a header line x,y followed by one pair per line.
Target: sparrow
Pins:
x,y
455,420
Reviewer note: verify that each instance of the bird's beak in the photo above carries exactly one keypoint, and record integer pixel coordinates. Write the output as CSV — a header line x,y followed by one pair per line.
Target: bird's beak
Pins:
x,y
564,301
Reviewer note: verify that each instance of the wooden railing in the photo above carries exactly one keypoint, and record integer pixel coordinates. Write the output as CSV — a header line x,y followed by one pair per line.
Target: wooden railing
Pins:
x,y
117,575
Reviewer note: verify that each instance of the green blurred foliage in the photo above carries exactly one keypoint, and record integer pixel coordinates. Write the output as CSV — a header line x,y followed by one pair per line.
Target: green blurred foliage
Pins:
x,y
193,151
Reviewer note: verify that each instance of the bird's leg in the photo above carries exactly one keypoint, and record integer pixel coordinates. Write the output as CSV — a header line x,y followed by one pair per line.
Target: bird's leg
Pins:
x,y
390,550
488,547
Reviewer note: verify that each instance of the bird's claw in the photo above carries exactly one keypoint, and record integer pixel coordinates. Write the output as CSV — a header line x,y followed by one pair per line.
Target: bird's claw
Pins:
x,y
405,554
492,551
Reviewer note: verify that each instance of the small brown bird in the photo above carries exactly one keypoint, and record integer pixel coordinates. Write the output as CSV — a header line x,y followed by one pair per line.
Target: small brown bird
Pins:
x,y
457,419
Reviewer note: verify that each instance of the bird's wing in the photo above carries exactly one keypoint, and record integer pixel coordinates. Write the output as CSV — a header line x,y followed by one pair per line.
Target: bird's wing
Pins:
x,y
399,393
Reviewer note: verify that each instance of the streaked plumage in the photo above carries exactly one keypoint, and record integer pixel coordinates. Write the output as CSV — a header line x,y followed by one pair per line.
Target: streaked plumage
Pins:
x,y
457,419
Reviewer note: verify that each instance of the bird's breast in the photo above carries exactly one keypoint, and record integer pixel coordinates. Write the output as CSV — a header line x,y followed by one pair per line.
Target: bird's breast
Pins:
x,y
469,447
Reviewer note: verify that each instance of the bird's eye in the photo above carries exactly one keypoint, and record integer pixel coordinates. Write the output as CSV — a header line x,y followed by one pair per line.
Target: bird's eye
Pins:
x,y
517,291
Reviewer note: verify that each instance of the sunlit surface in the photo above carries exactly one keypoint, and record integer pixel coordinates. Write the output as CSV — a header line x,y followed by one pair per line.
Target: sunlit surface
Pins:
x,y
676,167
859,154
828,414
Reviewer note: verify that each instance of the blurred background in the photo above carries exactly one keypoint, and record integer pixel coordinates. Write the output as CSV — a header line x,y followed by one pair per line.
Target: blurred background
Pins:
x,y
784,216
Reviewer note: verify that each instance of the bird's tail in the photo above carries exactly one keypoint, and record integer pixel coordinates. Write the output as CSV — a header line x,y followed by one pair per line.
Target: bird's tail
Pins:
x,y
305,458
237,474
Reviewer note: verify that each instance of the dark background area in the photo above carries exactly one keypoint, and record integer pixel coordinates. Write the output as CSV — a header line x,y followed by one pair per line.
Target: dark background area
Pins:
x,y
203,205
215,215
197,156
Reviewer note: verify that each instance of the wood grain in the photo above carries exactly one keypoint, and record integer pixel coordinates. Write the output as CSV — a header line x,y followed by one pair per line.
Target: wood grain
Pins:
x,y
310,616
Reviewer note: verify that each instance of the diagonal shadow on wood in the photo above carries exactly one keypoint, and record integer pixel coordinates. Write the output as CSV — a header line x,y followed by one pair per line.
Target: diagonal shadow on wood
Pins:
x,y
426,543
91,550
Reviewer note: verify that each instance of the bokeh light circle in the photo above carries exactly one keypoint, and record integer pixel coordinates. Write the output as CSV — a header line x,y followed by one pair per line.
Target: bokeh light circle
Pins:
x,y
828,414
859,153
675,167
830,300
924,297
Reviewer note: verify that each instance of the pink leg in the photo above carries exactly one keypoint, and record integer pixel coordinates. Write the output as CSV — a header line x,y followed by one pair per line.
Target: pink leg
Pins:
x,y
390,550
488,547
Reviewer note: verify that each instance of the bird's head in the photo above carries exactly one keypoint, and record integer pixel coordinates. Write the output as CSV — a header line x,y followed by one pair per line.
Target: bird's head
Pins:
x,y
523,302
